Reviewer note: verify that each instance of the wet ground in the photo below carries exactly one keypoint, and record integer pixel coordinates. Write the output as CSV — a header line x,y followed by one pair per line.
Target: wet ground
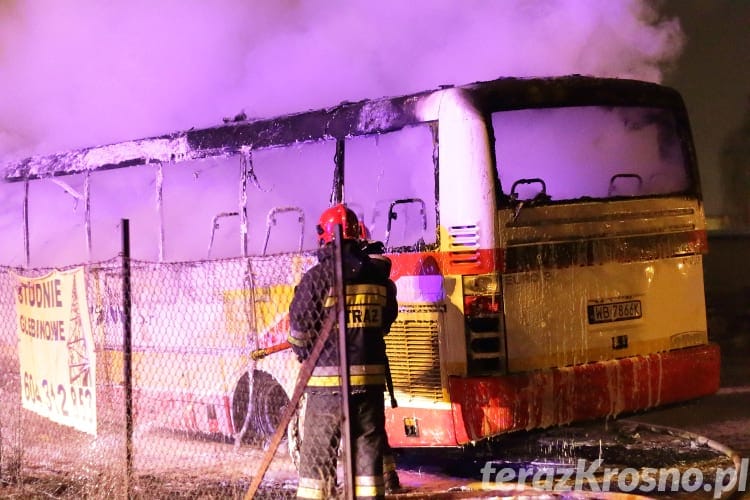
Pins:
x,y
656,453
620,456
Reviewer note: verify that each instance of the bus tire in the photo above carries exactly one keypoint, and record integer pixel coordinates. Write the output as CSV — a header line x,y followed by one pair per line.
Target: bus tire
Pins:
x,y
268,403
294,434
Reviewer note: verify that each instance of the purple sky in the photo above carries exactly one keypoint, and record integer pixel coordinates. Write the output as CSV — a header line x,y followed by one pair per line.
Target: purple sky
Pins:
x,y
88,73
96,72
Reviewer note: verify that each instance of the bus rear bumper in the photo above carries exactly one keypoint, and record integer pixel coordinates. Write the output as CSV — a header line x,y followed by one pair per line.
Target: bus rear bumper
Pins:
x,y
488,406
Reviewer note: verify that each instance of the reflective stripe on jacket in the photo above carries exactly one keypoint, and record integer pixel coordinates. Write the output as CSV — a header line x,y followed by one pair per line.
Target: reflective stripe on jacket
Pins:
x,y
371,308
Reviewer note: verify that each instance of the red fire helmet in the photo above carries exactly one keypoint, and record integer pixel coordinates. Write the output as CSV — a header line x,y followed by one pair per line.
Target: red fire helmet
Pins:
x,y
338,214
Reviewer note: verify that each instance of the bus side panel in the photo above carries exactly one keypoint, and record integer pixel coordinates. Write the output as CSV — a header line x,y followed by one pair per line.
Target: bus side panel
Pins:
x,y
193,350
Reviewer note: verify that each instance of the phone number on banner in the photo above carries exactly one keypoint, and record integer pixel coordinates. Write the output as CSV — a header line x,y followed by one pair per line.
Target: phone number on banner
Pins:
x,y
66,401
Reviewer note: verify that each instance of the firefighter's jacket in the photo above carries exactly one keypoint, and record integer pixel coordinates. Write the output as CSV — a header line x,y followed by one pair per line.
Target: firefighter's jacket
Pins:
x,y
371,308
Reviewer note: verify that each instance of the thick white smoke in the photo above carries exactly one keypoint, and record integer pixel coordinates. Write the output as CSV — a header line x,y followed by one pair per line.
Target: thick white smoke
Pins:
x,y
84,73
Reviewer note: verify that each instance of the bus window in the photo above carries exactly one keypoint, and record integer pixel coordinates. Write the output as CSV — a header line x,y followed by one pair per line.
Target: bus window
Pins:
x,y
191,228
12,246
128,193
390,183
590,152
289,189
57,214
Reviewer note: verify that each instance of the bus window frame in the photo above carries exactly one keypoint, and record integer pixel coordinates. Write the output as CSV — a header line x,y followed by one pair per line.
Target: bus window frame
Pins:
x,y
417,247
683,134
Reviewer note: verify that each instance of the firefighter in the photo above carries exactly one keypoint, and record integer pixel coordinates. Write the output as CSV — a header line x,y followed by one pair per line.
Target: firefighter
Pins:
x,y
371,308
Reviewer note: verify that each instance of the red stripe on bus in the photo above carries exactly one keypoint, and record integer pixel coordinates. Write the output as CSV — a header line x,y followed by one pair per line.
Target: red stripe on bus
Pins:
x,y
426,427
488,406
445,263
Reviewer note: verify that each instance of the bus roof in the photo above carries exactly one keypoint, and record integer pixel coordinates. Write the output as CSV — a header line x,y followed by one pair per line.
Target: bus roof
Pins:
x,y
346,119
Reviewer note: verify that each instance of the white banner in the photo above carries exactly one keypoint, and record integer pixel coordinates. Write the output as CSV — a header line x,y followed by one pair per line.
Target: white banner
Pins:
x,y
56,349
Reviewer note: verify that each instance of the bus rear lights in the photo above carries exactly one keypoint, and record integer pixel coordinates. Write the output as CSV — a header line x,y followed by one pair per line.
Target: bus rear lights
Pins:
x,y
481,295
481,305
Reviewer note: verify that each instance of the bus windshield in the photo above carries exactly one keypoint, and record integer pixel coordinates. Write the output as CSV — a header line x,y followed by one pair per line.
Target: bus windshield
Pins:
x,y
589,152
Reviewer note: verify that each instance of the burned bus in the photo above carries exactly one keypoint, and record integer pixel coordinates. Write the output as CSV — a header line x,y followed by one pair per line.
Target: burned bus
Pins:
x,y
546,236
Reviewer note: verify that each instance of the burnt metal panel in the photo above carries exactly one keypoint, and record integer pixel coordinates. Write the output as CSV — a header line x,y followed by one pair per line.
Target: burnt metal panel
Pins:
x,y
341,121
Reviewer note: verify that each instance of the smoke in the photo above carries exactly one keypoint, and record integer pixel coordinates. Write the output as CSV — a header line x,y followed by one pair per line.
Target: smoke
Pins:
x,y
84,73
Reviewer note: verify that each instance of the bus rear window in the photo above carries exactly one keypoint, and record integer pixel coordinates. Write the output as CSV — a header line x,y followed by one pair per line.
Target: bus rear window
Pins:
x,y
589,152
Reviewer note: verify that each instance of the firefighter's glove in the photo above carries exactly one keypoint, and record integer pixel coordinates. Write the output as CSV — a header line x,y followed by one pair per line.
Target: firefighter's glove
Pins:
x,y
301,344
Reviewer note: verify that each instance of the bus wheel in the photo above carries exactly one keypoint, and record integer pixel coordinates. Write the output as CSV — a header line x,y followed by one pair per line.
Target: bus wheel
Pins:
x,y
294,434
268,403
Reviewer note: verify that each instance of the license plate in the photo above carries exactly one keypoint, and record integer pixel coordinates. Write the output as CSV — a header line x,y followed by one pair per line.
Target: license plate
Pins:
x,y
614,311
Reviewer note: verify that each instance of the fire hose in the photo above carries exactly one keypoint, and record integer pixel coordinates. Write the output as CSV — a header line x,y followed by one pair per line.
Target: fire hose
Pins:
x,y
305,372
265,351
262,352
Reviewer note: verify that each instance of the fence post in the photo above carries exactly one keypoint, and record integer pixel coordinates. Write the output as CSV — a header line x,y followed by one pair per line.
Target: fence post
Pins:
x,y
346,434
26,240
127,355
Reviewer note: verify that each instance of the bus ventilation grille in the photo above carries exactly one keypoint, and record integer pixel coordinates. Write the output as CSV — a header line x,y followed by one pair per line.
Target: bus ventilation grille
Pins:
x,y
464,244
413,354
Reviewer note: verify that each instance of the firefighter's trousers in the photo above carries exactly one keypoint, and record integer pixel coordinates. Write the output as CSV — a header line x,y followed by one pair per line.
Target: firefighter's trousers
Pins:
x,y
320,444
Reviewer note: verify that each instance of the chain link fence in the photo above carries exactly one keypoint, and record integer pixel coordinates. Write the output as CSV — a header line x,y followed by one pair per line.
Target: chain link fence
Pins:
x,y
214,406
